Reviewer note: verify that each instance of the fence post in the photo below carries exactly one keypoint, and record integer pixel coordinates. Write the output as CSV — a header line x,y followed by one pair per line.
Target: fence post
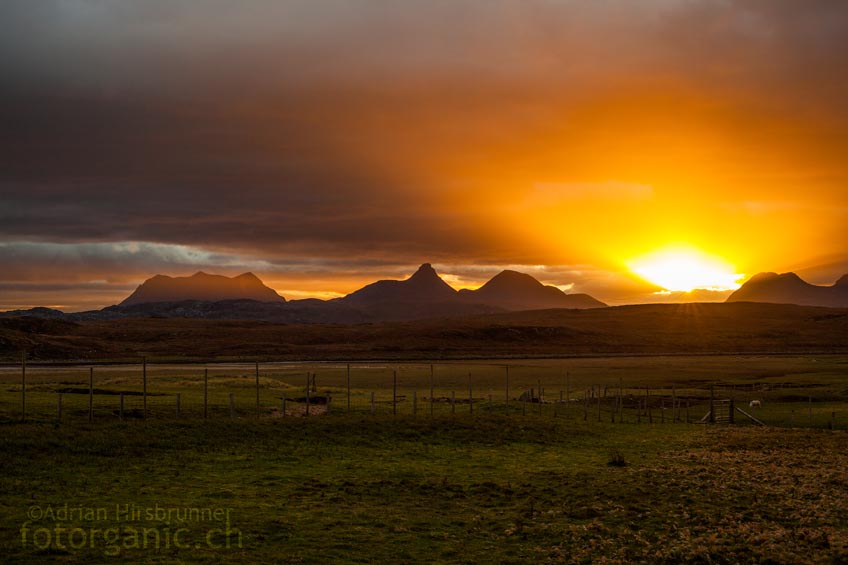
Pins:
x,y
232,407
540,396
599,403
283,406
59,407
453,402
348,388
620,401
329,401
833,420
612,409
431,390
90,394
732,410
524,406
144,387
712,405
470,395
205,393
178,404
307,392
687,411
662,410
585,406
507,388
372,403
673,404
23,385
121,407
257,390
810,405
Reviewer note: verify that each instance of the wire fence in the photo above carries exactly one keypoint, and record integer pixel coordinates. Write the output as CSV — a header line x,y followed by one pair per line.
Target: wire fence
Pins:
x,y
289,390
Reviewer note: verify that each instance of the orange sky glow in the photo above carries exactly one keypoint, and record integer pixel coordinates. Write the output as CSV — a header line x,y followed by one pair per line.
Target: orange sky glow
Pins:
x,y
606,147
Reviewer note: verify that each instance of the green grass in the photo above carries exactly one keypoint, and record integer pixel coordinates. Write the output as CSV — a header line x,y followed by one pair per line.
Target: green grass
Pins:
x,y
461,489
456,487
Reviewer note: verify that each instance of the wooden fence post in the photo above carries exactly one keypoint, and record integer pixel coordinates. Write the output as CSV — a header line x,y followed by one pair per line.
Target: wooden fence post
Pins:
x,y
283,406
507,388
585,406
732,417
90,394
712,405
308,384
23,385
431,390
599,403
144,387
833,420
205,393
673,404
524,406
372,403
810,405
257,390
470,395
453,402
232,407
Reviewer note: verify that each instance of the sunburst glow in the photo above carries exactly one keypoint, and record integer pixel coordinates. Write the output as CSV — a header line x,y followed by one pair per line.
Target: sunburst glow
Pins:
x,y
685,270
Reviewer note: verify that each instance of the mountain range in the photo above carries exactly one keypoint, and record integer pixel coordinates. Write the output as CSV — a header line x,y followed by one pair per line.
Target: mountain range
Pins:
x,y
423,295
789,288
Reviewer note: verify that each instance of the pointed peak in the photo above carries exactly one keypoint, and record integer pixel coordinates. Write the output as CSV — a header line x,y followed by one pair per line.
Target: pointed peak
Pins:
x,y
199,274
247,275
424,271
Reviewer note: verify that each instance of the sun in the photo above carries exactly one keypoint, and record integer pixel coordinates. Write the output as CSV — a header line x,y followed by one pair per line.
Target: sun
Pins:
x,y
684,269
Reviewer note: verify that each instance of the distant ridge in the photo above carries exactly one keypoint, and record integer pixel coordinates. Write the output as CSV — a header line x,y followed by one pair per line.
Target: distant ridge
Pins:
x,y
789,288
512,290
508,290
245,297
202,286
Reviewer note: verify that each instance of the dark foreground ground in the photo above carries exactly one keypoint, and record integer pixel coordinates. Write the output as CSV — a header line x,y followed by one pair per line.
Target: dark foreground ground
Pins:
x,y
452,489
644,329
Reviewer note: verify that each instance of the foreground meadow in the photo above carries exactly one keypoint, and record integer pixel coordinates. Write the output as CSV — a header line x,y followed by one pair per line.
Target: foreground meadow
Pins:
x,y
449,489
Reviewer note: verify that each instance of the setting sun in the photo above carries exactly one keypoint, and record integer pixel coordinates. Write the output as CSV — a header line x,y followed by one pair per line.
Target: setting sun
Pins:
x,y
684,270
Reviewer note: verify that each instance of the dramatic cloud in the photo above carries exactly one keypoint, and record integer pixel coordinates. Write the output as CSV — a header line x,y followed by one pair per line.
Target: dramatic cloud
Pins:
x,y
327,143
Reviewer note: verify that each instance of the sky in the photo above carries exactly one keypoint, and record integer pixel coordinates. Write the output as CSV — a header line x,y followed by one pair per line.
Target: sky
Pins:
x,y
325,144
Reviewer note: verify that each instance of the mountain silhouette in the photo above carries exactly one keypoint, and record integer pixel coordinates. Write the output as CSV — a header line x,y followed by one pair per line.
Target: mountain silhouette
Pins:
x,y
245,297
423,286
789,288
425,292
512,290
204,287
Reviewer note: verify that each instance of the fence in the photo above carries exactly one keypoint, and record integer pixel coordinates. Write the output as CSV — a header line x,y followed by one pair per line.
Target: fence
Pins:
x,y
278,390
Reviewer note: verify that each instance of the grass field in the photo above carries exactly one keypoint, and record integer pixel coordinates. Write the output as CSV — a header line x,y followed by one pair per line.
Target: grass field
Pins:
x,y
532,483
462,489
